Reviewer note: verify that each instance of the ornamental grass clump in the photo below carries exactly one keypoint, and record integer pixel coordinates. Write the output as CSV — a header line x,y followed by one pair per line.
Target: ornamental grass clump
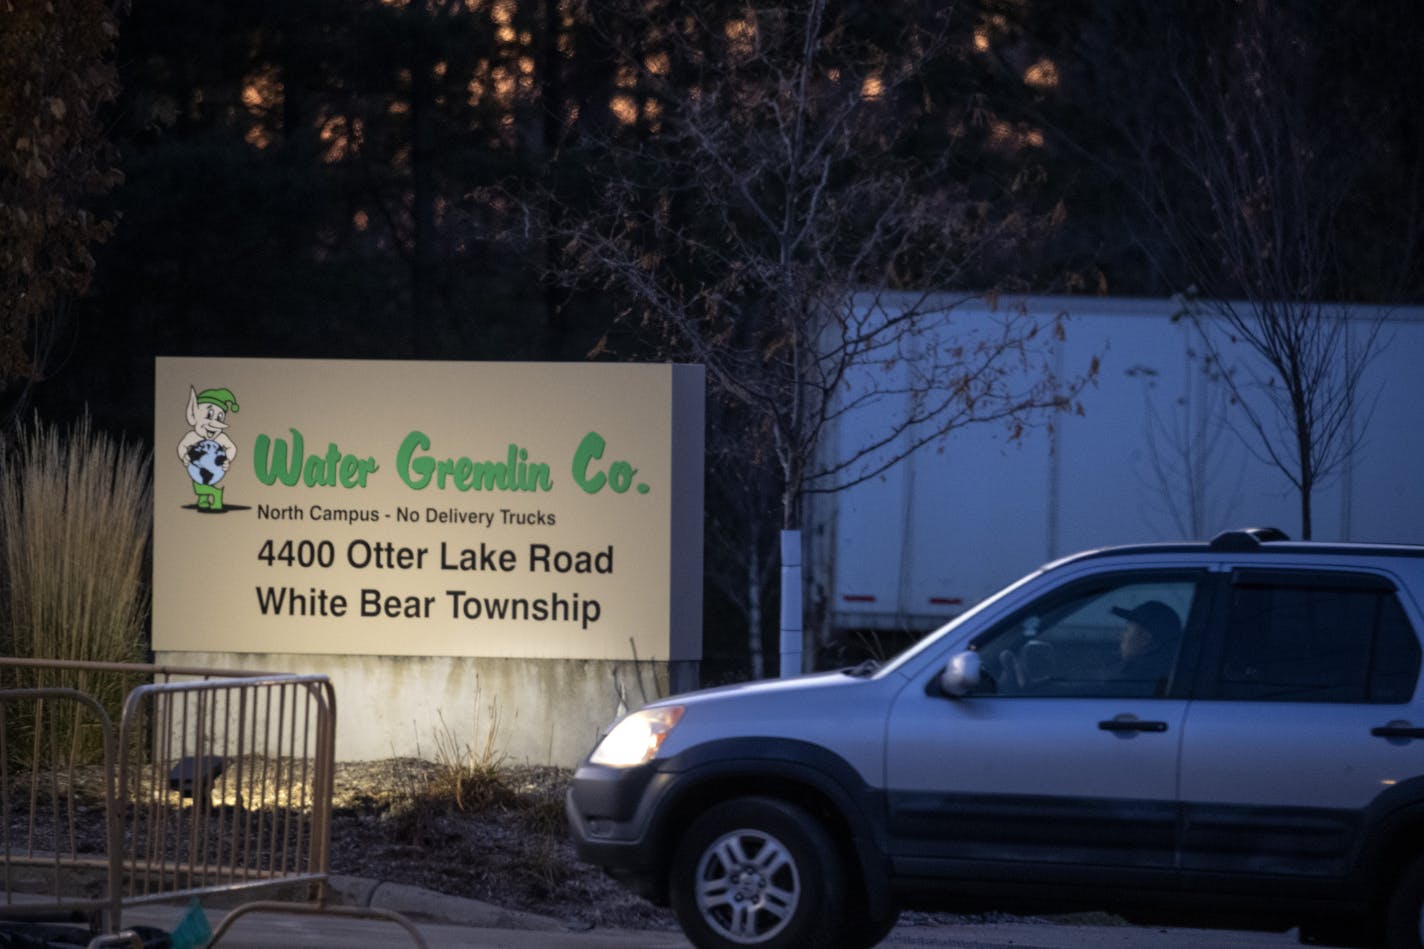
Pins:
x,y
75,517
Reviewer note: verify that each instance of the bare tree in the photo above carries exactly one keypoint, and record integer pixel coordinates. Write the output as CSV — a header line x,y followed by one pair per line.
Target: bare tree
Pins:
x,y
765,203
1306,413
741,526
1186,460
1248,191
55,78
1276,172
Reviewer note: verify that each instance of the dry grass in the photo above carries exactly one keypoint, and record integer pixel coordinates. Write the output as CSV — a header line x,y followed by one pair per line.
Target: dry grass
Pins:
x,y
470,775
75,515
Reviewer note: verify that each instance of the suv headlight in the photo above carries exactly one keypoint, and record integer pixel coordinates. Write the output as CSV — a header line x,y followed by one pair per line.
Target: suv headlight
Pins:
x,y
637,737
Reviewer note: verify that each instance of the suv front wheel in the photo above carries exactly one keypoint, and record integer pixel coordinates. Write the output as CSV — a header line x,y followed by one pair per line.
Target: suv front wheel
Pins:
x,y
756,871
1404,920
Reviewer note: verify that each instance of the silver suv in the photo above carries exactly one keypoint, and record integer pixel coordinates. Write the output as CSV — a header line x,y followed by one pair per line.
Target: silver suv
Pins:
x,y
1212,734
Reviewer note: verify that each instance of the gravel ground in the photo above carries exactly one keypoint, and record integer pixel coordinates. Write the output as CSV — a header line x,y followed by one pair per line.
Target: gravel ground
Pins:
x,y
502,839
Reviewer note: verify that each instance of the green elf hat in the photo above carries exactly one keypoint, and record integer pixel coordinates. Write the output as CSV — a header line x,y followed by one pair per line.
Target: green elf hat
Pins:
x,y
222,398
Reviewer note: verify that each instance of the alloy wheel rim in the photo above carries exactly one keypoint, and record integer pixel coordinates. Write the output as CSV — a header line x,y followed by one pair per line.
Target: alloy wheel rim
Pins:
x,y
748,886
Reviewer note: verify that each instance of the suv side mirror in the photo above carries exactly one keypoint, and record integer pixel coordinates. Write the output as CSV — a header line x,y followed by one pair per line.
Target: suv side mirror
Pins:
x,y
961,674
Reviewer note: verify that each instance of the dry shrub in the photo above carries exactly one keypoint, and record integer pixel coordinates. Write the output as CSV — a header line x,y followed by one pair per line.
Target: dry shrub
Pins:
x,y
471,776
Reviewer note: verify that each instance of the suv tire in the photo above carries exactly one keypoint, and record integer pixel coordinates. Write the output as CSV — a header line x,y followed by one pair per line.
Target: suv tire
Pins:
x,y
756,871
1404,919
863,932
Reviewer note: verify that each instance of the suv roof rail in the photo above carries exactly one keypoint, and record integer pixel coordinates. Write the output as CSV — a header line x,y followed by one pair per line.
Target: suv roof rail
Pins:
x,y
1247,538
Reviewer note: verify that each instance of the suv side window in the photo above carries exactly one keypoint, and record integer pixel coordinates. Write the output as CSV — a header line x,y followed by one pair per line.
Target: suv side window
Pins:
x,y
1118,635
1309,636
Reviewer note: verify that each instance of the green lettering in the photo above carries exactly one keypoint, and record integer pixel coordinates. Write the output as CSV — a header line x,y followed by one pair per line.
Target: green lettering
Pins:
x,y
589,449
354,471
272,461
415,472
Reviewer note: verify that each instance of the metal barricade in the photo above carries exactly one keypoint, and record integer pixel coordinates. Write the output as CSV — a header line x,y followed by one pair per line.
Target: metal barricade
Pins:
x,y
214,783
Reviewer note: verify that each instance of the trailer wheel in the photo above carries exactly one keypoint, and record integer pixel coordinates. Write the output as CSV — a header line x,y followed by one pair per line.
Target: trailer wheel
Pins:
x,y
757,871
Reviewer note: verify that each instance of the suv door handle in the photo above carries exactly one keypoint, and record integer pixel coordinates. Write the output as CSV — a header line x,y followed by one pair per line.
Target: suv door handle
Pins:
x,y
1131,725
1398,730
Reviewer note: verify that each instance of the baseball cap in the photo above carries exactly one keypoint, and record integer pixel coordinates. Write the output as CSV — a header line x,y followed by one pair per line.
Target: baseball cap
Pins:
x,y
1155,616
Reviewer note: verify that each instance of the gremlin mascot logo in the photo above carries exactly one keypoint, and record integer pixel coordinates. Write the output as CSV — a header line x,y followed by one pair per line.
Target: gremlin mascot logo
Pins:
x,y
206,451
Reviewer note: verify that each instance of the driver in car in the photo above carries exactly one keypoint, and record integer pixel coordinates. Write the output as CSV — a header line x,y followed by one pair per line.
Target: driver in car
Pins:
x,y
1148,645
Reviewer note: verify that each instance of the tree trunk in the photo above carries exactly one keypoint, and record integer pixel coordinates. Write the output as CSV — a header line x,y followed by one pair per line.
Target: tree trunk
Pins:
x,y
551,95
422,184
792,651
754,619
1305,435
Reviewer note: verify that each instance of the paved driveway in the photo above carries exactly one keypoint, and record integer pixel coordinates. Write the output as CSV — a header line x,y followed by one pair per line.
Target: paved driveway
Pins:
x,y
288,931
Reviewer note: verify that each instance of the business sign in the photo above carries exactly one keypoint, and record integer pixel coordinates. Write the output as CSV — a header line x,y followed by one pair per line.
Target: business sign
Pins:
x,y
417,508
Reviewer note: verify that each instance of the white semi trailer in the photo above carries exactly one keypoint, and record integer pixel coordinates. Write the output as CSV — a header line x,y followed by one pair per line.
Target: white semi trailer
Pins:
x,y
1158,453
